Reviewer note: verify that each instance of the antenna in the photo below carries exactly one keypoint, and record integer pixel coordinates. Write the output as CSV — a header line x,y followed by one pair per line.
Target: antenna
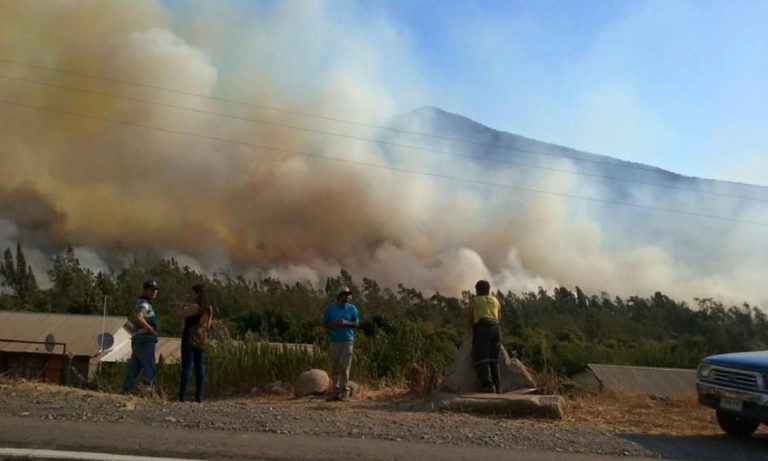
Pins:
x,y
105,340
103,326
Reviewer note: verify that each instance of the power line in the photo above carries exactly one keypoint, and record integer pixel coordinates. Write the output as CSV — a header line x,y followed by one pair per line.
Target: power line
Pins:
x,y
327,117
380,142
383,167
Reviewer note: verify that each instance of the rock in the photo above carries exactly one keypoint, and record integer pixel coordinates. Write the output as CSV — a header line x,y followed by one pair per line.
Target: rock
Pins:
x,y
463,377
514,405
312,382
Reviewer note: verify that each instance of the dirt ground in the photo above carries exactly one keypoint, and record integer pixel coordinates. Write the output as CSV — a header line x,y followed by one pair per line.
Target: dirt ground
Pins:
x,y
643,415
606,424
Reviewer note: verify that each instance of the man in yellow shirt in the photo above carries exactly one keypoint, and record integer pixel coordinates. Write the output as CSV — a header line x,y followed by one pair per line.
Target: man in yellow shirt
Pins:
x,y
484,316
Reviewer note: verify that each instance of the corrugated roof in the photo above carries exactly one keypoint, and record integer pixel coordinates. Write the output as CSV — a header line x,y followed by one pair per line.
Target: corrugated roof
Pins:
x,y
167,348
660,382
79,332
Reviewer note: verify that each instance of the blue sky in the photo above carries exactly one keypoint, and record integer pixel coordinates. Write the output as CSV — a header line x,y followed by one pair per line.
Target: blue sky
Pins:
x,y
679,84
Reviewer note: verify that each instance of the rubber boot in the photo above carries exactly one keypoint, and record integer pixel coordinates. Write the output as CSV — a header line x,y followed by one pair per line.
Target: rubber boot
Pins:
x,y
495,376
484,375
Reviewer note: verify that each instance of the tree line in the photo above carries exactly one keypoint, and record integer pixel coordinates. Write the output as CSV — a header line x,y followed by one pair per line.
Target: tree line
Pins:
x,y
559,331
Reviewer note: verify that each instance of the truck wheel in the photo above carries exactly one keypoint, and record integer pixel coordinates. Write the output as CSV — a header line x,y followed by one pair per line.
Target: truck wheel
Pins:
x,y
736,425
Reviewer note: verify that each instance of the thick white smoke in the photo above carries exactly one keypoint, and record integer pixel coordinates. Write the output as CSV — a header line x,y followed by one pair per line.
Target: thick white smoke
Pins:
x,y
115,190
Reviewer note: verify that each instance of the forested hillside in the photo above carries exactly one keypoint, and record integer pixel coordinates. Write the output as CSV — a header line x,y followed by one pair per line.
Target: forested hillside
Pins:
x,y
556,331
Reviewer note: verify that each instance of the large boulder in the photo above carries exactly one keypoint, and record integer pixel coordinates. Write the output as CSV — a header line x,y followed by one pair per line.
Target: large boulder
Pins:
x,y
463,377
312,382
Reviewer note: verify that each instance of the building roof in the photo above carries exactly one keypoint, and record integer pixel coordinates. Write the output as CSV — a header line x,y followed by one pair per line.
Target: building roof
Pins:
x,y
78,332
659,382
169,349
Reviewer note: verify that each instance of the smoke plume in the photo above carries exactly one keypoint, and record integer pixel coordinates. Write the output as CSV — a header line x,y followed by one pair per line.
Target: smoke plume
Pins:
x,y
256,197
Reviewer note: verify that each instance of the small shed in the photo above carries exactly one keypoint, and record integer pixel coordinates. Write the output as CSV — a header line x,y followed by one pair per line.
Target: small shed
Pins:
x,y
672,383
57,348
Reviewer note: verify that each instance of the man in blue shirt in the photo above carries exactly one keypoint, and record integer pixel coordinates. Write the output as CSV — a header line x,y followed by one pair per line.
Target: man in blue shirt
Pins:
x,y
341,319
143,340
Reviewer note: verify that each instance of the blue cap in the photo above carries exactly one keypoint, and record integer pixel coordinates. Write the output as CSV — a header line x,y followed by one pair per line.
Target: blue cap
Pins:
x,y
151,285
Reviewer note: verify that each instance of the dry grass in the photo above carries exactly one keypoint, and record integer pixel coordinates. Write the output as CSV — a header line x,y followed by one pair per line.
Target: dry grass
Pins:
x,y
607,412
642,414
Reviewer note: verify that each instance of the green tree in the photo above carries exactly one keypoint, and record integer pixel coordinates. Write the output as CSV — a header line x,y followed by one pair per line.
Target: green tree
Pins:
x,y
17,274
73,287
8,269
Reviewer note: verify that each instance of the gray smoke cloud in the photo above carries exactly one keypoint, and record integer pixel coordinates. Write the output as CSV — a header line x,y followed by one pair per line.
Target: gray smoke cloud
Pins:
x,y
115,190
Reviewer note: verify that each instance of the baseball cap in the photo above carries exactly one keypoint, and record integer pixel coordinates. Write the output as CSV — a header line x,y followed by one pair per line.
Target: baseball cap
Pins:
x,y
344,291
151,284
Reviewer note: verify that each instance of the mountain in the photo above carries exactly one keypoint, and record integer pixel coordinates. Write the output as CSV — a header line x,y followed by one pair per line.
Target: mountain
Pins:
x,y
468,137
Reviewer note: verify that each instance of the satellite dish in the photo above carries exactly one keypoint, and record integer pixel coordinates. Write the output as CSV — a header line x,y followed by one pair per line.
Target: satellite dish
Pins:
x,y
105,340
50,342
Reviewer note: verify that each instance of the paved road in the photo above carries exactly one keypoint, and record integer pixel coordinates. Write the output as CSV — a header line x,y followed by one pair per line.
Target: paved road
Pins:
x,y
221,445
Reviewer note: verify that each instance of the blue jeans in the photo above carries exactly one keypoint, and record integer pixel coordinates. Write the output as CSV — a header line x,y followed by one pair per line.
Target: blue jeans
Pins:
x,y
192,356
142,361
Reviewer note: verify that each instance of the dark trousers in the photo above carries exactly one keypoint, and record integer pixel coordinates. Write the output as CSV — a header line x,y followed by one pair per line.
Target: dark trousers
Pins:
x,y
486,345
192,356
142,361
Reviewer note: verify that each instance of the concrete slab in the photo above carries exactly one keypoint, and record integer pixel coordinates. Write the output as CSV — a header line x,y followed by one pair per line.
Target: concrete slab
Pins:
x,y
512,405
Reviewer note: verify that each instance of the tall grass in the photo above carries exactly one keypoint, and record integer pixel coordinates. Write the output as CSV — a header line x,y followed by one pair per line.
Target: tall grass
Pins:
x,y
389,358
236,366
231,366
240,365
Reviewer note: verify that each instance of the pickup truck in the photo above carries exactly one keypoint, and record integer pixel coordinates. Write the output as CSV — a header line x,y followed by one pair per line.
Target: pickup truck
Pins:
x,y
736,386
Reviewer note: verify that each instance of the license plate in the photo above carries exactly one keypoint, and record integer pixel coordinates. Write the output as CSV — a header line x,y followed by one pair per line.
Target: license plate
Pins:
x,y
731,404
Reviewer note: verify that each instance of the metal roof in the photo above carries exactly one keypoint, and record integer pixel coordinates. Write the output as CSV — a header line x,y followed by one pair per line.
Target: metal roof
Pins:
x,y
79,332
659,382
167,348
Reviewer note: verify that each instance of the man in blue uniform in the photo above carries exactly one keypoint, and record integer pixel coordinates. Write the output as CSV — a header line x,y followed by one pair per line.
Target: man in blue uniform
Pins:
x,y
143,340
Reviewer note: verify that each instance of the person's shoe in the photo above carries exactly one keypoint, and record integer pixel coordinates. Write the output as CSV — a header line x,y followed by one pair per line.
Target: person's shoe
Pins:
x,y
145,391
337,397
488,389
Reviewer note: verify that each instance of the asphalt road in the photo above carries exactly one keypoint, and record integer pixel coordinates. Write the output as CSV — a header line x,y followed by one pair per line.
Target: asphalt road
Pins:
x,y
141,440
